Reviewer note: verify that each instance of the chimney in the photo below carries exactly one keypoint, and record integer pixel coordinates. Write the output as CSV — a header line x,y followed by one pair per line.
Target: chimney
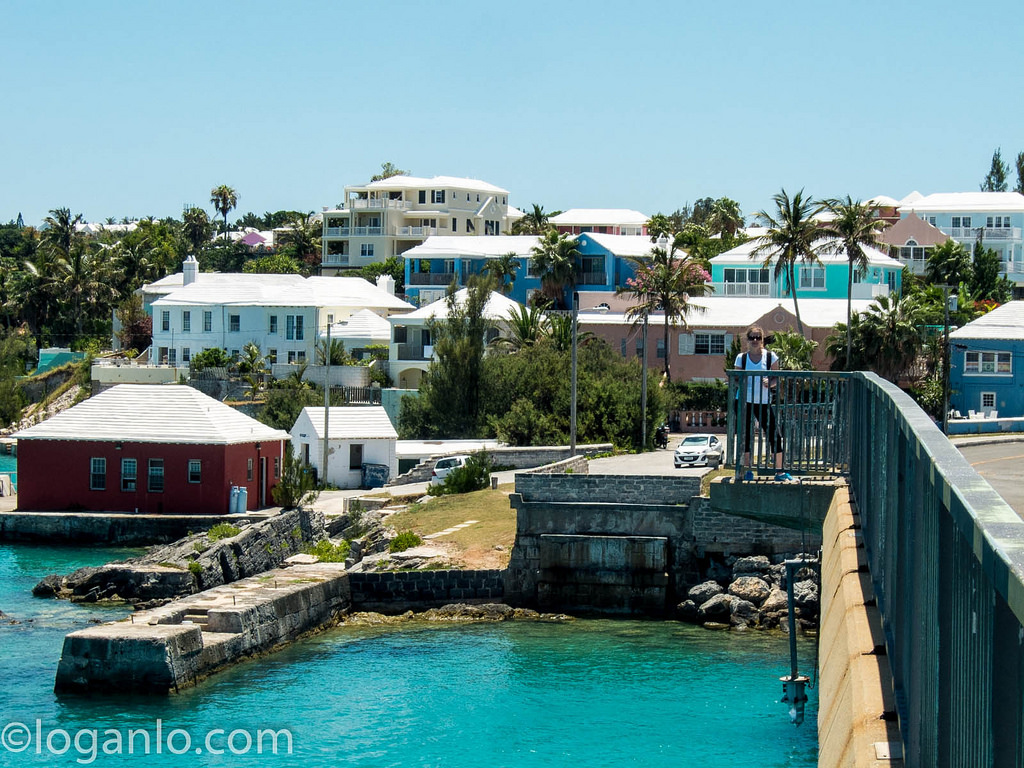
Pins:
x,y
190,270
387,282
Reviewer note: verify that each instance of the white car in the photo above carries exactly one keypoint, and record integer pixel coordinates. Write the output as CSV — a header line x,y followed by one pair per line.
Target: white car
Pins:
x,y
445,466
699,451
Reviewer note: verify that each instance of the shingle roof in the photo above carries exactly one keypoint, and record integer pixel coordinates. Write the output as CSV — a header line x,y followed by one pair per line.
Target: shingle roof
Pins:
x,y
353,422
1003,322
153,413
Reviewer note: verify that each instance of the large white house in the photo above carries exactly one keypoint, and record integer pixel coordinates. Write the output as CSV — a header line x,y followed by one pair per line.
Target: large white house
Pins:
x,y
386,218
282,314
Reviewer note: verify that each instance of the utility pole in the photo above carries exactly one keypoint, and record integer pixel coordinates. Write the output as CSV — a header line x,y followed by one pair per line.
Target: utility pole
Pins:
x,y
945,360
572,406
643,388
327,403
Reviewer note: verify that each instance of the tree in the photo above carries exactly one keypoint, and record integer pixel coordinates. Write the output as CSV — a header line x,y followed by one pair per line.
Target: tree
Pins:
x,y
987,282
297,487
272,264
535,221
725,217
136,325
302,242
556,259
995,180
855,225
393,266
1019,163
793,350
195,227
791,237
526,327
948,264
223,198
503,269
252,360
664,282
387,170
338,355
890,335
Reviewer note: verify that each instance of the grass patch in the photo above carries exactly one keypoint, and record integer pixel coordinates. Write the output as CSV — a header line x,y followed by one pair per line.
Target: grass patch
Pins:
x,y
195,567
403,541
222,531
327,552
705,481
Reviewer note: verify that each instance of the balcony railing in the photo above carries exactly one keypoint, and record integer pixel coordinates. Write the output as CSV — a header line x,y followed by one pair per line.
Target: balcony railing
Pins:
x,y
336,231
416,231
415,352
743,289
398,205
367,231
336,260
432,278
591,278
989,233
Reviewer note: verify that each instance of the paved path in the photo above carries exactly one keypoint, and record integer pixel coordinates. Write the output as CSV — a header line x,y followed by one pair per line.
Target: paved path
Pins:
x,y
1001,463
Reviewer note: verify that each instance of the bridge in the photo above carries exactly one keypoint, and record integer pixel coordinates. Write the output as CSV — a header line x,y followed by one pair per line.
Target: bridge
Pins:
x,y
940,556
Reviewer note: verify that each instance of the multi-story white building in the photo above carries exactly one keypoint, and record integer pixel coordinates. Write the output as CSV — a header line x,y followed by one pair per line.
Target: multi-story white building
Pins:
x,y
388,217
282,314
603,221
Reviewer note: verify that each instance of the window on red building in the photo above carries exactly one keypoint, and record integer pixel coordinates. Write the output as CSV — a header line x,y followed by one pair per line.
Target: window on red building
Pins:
x,y
98,475
195,471
156,475
248,470
129,473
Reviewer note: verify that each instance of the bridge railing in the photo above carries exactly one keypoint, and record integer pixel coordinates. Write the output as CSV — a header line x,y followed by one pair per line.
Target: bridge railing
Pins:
x,y
802,414
946,555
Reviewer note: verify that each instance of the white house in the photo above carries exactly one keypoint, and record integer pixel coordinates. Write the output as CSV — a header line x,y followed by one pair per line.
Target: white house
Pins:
x,y
282,314
361,445
607,221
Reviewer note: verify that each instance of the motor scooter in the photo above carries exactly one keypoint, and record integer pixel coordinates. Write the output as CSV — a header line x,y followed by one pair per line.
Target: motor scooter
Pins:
x,y
661,436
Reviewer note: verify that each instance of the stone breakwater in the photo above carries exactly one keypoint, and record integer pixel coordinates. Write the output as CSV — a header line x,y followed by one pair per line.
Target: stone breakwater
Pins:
x,y
191,564
175,646
457,613
753,595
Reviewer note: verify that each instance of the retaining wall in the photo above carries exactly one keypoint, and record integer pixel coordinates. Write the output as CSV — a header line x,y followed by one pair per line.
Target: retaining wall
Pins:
x,y
608,489
719,533
107,528
516,457
398,591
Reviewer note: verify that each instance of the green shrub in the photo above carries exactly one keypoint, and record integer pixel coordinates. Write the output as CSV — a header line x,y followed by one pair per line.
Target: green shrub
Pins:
x,y
474,476
403,541
223,531
328,552
296,487
195,567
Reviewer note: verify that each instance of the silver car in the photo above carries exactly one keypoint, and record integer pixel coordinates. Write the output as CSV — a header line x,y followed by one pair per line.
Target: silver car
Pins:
x,y
698,451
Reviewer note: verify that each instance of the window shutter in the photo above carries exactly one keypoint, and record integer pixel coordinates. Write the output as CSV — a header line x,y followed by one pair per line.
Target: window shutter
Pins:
x,y
728,342
685,343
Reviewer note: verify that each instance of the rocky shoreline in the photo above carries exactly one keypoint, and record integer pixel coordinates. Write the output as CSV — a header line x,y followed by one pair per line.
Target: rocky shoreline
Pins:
x,y
455,613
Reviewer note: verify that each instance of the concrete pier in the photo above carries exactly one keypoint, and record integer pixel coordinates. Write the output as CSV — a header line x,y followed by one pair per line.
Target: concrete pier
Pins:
x,y
175,646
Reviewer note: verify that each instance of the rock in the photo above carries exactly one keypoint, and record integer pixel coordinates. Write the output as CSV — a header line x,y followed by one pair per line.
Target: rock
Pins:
x,y
50,586
716,609
775,602
757,565
716,625
463,612
701,593
805,599
744,613
687,611
750,588
301,559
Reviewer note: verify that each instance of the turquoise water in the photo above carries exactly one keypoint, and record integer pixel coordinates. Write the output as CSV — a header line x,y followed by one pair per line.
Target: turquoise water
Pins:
x,y
9,466
593,693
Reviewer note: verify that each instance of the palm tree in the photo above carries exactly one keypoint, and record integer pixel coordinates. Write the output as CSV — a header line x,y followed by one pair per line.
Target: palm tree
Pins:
x,y
302,242
855,226
792,236
659,224
793,350
556,259
338,355
504,266
60,232
526,327
195,227
725,217
949,264
891,335
81,281
664,282
223,198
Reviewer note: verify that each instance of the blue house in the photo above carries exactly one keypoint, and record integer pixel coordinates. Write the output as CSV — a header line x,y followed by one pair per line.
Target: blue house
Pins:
x,y
738,272
984,376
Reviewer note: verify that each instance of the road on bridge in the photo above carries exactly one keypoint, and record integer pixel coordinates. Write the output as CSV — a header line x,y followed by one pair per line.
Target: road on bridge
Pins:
x,y
1002,464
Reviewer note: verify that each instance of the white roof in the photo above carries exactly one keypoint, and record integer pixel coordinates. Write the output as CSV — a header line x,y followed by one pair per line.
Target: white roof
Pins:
x,y
829,253
514,213
1003,322
423,448
364,324
497,308
913,197
967,201
736,312
490,247
153,413
624,245
607,217
416,182
884,201
283,291
358,422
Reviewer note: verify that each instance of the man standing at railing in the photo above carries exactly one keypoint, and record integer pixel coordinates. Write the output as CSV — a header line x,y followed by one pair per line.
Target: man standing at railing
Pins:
x,y
759,391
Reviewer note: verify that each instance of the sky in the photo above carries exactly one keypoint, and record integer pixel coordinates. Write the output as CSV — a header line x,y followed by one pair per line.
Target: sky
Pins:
x,y
139,109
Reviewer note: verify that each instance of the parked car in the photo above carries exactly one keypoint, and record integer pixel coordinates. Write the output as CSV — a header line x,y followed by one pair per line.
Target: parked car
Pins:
x,y
698,451
444,466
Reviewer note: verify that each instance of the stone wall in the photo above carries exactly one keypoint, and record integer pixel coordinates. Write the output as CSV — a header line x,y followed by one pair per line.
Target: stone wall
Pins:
x,y
719,533
398,591
576,465
608,489
99,528
526,457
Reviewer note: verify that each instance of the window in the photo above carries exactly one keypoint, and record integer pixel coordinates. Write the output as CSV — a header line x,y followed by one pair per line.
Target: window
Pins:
x,y
812,277
423,196
291,357
366,250
271,356
234,323
186,322
469,226
298,327
300,356
355,456
709,343
988,399
661,348
129,471
960,221
622,347
207,321
455,224
156,475
195,471
165,320
248,469
172,356
931,220
277,467
235,354
998,222
294,327
330,319
401,334
273,323
991,363
186,354
912,251
746,282
437,196
98,475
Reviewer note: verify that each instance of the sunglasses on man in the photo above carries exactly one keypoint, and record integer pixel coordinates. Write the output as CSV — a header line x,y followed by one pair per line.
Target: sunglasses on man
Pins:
x,y
755,337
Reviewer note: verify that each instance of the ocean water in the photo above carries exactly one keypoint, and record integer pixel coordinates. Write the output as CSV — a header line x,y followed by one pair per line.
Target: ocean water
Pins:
x,y
9,466
589,693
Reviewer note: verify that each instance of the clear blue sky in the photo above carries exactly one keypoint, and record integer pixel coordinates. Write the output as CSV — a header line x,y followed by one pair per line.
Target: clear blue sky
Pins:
x,y
132,109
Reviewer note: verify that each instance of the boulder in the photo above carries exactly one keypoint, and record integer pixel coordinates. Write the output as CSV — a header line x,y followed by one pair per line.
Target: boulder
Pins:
x,y
701,593
750,588
50,586
775,602
718,609
744,613
756,565
687,611
805,598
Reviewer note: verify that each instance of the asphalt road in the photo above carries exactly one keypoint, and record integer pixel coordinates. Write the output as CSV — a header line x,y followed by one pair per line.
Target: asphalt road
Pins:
x,y
1002,464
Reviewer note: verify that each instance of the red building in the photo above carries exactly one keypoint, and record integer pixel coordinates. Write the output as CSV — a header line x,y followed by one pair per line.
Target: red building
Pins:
x,y
148,448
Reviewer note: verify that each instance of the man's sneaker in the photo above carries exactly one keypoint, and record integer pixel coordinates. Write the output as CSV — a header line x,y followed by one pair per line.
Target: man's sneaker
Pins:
x,y
784,477
749,476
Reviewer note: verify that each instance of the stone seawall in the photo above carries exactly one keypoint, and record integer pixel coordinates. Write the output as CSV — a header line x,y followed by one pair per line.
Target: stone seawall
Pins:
x,y
108,528
720,533
608,489
518,458
174,647
398,591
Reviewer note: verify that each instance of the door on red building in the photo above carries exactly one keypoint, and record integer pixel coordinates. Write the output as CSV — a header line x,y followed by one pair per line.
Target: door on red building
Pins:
x,y
263,481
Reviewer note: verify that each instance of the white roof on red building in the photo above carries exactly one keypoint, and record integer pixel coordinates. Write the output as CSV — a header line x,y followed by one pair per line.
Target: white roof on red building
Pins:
x,y
153,413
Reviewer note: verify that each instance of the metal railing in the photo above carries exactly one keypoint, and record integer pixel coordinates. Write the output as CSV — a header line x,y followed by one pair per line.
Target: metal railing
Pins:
x,y
743,289
432,278
379,204
802,414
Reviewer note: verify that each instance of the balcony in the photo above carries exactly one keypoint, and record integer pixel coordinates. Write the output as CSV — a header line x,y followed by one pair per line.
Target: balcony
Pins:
x,y
416,231
432,278
366,231
335,260
591,278
743,289
336,232
398,205
988,233
415,352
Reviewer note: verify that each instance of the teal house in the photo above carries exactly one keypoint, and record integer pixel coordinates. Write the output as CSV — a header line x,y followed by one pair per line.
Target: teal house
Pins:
x,y
738,272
